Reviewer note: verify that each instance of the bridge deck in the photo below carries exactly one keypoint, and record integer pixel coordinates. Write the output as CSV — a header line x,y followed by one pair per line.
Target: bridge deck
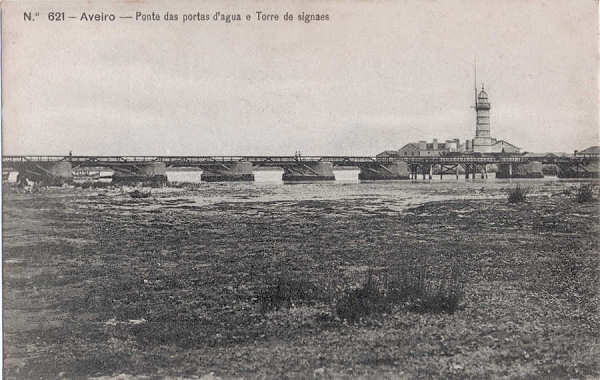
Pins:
x,y
187,161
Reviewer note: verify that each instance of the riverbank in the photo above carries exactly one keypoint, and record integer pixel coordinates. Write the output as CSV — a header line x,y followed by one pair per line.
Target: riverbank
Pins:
x,y
95,286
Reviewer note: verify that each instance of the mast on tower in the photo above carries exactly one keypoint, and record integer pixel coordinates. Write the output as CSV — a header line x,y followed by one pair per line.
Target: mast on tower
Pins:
x,y
475,79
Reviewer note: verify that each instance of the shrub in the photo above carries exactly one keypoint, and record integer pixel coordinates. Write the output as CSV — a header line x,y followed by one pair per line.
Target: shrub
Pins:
x,y
584,193
416,288
411,286
357,303
408,282
517,194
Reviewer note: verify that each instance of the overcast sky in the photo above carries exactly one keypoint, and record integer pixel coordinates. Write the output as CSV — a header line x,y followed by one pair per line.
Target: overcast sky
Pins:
x,y
376,76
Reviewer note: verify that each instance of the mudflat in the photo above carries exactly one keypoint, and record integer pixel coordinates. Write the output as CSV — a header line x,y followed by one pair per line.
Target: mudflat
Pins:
x,y
97,284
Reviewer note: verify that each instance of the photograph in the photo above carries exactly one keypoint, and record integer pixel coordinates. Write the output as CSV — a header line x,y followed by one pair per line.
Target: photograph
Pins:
x,y
300,189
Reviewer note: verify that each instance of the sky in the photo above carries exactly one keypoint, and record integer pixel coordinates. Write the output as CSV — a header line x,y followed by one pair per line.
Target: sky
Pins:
x,y
374,77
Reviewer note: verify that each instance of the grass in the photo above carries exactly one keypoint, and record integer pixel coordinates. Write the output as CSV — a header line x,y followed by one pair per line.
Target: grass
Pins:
x,y
584,193
530,301
517,194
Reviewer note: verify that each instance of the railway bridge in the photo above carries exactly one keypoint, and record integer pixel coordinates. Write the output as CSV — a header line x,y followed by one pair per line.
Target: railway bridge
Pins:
x,y
56,169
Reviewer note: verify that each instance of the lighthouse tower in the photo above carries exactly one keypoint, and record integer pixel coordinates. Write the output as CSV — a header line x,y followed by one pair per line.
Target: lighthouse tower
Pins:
x,y
482,141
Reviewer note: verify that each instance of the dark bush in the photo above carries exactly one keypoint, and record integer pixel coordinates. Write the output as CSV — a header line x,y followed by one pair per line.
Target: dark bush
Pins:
x,y
409,286
357,303
407,282
517,194
416,288
584,193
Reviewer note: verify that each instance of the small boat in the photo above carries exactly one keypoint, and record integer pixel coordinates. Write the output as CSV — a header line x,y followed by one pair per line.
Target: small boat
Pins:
x,y
139,194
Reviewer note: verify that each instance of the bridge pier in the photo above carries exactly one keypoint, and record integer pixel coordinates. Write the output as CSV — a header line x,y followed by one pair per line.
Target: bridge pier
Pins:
x,y
228,172
146,173
532,169
45,173
308,171
397,170
579,169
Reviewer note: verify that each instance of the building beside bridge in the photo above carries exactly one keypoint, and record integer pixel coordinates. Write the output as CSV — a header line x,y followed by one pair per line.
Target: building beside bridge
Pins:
x,y
428,149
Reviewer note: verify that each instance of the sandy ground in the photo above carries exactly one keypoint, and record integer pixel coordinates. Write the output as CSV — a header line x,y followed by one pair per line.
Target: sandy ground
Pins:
x,y
97,286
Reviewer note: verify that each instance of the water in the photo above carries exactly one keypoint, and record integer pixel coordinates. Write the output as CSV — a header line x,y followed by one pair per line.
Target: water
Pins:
x,y
389,195
188,191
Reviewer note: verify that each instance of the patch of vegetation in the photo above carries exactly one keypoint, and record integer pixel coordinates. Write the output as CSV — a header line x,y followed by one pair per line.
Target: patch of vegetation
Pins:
x,y
357,303
412,287
419,291
517,194
584,193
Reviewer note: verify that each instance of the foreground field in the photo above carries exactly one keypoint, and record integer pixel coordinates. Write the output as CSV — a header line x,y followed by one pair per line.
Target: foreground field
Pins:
x,y
105,285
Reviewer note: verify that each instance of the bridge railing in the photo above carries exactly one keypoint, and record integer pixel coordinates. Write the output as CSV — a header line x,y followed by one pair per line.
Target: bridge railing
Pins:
x,y
274,160
32,158
458,160
54,158
262,159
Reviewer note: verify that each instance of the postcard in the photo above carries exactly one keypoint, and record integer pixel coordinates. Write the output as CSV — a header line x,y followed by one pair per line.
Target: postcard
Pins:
x,y
300,189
